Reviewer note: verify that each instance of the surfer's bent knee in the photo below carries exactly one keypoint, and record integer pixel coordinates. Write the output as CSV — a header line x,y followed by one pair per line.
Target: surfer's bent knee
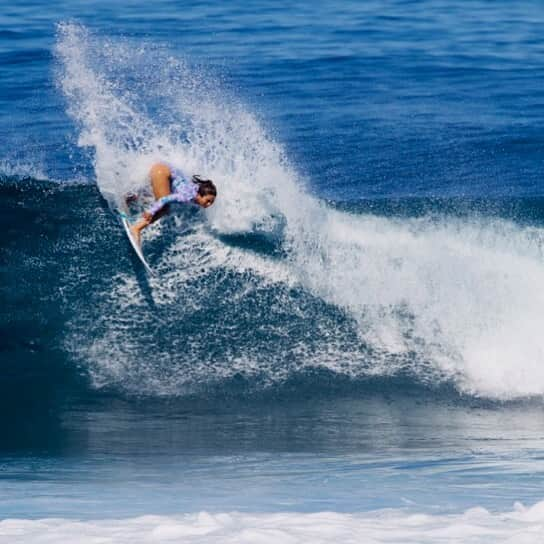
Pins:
x,y
159,175
159,169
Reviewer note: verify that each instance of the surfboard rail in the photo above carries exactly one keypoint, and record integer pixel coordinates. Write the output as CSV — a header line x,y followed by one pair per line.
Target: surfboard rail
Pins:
x,y
133,242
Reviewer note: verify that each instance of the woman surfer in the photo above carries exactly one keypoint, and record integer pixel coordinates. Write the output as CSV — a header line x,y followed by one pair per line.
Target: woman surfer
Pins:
x,y
171,186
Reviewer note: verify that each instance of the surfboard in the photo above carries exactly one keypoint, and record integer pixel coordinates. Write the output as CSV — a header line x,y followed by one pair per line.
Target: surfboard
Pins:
x,y
135,246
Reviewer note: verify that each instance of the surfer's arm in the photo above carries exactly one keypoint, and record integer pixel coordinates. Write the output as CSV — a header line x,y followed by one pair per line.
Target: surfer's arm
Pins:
x,y
159,205
157,210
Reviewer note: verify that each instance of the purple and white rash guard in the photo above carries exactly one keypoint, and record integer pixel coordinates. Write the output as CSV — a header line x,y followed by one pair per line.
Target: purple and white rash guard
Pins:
x,y
183,191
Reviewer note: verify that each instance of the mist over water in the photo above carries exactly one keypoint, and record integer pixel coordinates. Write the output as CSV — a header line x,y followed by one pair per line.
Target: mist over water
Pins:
x,y
272,282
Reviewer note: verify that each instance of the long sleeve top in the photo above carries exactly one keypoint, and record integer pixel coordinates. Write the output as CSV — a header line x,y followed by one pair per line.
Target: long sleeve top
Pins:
x,y
183,191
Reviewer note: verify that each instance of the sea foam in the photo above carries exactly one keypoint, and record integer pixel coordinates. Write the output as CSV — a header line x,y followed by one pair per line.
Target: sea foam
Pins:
x,y
475,526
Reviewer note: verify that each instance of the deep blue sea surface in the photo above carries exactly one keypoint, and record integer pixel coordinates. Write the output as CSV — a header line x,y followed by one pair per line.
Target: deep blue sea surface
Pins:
x,y
354,327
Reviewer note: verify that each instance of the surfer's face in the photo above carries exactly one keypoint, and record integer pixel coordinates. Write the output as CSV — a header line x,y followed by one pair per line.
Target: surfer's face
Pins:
x,y
205,201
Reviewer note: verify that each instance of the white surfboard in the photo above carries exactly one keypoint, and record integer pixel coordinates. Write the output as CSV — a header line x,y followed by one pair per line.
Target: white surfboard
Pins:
x,y
134,243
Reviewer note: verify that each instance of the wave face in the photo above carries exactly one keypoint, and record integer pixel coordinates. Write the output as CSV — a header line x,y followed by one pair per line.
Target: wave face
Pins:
x,y
272,282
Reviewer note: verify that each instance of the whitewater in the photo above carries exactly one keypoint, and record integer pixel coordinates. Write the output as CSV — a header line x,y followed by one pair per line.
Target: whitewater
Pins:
x,y
520,526
439,298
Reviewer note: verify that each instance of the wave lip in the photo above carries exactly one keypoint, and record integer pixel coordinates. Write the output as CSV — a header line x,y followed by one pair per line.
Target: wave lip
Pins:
x,y
476,525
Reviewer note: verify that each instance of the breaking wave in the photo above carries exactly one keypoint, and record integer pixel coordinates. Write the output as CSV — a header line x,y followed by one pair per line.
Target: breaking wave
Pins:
x,y
272,281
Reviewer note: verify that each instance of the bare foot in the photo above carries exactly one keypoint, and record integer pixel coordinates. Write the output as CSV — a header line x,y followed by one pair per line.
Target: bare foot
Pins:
x,y
136,234
131,197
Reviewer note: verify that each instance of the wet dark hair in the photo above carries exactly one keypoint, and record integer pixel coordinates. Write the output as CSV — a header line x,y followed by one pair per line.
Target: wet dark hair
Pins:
x,y
205,186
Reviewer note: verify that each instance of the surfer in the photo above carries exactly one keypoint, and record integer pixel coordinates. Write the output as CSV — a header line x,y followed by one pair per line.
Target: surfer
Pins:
x,y
170,186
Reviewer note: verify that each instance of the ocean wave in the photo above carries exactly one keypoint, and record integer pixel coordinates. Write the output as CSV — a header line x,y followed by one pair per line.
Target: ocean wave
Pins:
x,y
273,282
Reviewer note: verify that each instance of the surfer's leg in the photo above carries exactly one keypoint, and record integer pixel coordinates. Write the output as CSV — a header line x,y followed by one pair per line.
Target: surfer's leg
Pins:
x,y
160,183
160,176
137,228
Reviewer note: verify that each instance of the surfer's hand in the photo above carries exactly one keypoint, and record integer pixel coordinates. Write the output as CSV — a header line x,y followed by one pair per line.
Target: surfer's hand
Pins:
x,y
148,217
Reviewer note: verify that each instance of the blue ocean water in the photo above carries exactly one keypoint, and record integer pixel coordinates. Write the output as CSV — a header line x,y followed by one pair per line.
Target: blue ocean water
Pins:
x,y
355,325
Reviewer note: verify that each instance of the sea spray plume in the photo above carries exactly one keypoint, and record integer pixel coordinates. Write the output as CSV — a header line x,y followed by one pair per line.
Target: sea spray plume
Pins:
x,y
438,299
110,85
102,108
